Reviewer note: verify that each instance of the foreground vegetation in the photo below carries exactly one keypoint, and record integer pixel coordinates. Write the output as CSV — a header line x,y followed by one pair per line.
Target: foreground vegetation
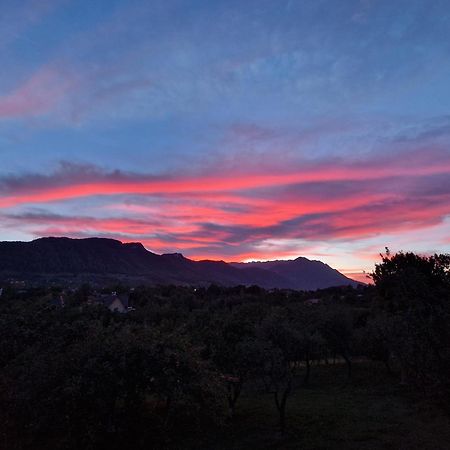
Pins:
x,y
371,412
232,367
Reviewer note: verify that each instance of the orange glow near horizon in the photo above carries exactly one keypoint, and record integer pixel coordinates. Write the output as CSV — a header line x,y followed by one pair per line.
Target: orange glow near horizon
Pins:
x,y
228,131
247,216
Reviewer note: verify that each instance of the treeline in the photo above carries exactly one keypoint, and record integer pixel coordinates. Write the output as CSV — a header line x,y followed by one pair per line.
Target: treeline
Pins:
x,y
173,370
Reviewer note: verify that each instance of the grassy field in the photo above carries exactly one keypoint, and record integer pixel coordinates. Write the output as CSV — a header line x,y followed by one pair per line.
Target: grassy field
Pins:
x,y
373,412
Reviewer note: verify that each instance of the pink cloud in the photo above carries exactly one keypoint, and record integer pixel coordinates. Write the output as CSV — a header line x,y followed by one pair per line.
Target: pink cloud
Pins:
x,y
234,215
97,183
38,95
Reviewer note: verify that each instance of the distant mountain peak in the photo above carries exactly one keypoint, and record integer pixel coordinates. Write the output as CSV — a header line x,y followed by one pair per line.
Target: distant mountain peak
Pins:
x,y
135,245
91,258
175,255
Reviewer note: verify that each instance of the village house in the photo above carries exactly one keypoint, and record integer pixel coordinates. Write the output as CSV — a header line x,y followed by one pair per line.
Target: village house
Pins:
x,y
58,301
313,301
114,302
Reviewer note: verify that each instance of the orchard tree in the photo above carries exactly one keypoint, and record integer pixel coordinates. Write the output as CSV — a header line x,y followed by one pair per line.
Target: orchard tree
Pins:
x,y
281,342
414,291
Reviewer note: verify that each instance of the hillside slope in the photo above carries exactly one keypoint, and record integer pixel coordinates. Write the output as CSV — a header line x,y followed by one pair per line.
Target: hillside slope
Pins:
x,y
98,256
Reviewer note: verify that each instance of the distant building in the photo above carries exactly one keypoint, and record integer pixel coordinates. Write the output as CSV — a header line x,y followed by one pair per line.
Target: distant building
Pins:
x,y
58,301
313,301
114,302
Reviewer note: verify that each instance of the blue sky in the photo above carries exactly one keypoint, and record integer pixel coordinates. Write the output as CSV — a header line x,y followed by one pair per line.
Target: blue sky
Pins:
x,y
120,91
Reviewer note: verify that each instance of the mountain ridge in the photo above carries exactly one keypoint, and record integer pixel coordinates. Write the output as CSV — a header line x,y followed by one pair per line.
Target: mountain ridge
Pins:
x,y
61,256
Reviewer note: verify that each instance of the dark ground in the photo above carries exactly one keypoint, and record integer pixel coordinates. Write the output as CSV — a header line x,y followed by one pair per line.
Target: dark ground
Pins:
x,y
372,412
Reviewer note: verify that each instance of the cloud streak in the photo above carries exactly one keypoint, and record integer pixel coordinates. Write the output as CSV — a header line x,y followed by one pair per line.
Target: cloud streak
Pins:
x,y
38,95
81,184
232,130
235,215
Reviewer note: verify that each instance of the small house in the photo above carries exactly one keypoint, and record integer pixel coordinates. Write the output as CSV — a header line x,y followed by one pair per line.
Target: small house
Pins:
x,y
313,301
58,301
114,302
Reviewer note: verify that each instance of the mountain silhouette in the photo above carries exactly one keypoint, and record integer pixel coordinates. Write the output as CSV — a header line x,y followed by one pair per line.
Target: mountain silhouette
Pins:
x,y
95,258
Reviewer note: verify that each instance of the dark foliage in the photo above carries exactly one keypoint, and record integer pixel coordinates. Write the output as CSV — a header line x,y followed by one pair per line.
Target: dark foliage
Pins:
x,y
173,371
414,303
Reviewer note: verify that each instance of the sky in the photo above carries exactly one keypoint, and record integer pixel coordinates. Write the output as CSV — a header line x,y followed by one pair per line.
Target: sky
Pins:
x,y
232,130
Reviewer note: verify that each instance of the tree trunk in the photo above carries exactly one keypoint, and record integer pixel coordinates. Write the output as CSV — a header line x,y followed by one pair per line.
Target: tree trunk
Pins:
x,y
308,372
387,364
281,406
349,365
404,378
167,406
234,391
